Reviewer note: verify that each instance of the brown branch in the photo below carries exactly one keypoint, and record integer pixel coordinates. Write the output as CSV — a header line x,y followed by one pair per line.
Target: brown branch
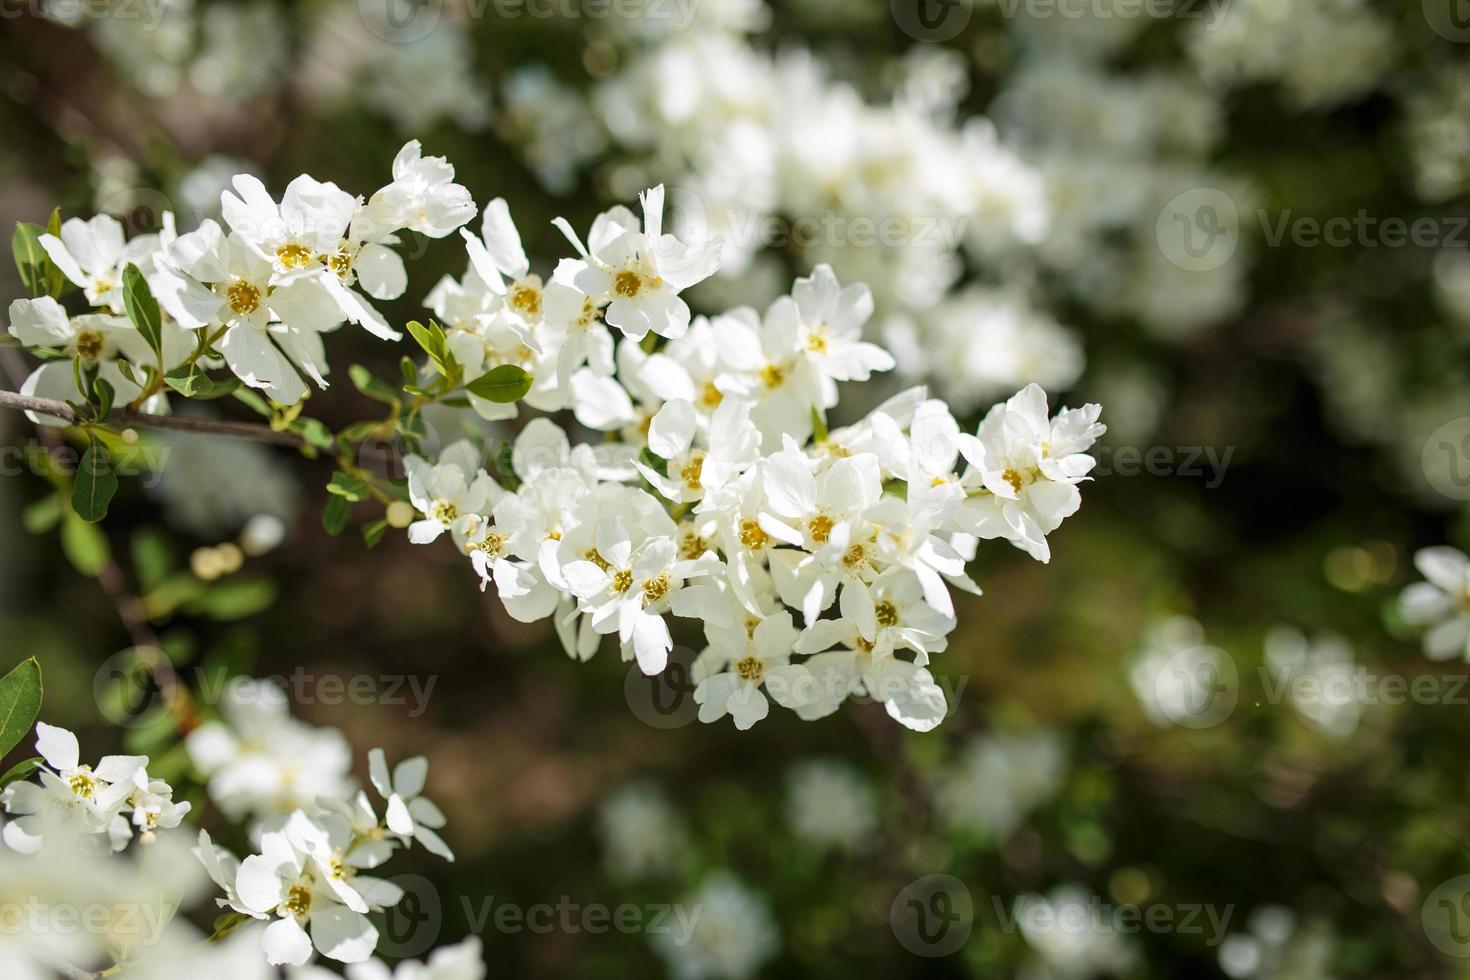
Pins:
x,y
176,423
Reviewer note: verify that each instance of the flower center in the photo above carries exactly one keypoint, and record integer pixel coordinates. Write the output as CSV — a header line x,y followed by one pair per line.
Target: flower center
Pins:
x,y
445,512
821,528
751,535
655,588
773,375
525,300
816,341
856,557
595,558
491,544
887,614
1013,477
622,580
628,284
340,262
243,297
710,397
298,901
293,256
692,470
692,545
83,785
751,668
89,345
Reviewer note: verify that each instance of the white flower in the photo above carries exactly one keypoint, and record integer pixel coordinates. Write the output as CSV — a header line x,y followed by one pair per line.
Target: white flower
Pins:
x,y
93,255
423,197
1442,602
1318,675
641,834
287,884
829,804
733,933
732,446
269,329
1030,465
462,961
453,495
745,663
74,800
999,780
638,275
97,340
410,815
260,761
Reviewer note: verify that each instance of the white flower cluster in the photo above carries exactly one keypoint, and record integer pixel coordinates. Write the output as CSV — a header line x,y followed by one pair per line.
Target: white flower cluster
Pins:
x,y
307,879
748,510
261,293
80,805
261,762
1323,52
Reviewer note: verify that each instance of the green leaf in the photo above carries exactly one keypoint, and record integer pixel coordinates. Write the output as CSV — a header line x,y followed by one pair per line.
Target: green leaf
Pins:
x,y
30,257
20,771
42,515
373,533
95,485
430,338
84,544
153,559
142,307
350,487
104,396
20,703
192,381
56,283
234,599
336,515
371,386
409,371
819,427
505,383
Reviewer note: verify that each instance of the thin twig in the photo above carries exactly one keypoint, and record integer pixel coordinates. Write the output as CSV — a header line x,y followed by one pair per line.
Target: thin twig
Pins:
x,y
176,423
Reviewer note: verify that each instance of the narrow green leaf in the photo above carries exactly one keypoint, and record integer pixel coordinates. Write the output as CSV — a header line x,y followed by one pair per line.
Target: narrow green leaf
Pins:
x,y
373,533
142,307
30,257
20,771
20,703
336,515
505,383
84,545
95,485
42,515
56,283
153,559
234,599
377,390
104,395
350,487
